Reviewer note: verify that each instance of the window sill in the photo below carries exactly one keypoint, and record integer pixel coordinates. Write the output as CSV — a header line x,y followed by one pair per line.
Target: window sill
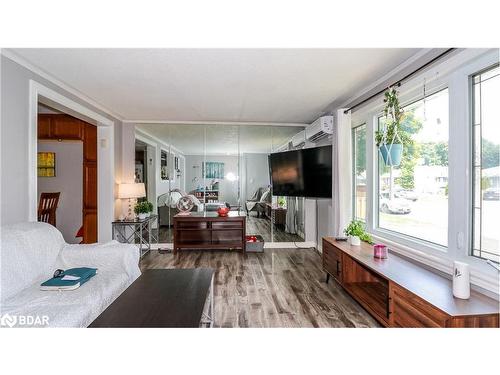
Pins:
x,y
482,279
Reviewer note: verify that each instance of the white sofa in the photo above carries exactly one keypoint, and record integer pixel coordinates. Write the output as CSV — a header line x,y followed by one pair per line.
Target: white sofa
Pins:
x,y
31,252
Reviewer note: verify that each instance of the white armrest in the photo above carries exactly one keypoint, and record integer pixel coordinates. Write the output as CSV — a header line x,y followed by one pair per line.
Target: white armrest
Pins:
x,y
111,256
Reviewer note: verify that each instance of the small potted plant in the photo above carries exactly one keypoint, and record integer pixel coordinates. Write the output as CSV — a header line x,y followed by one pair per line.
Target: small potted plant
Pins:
x,y
391,139
141,209
355,230
281,202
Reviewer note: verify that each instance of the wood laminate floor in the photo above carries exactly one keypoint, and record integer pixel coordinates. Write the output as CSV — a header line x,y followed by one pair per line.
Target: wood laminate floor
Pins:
x,y
255,225
277,288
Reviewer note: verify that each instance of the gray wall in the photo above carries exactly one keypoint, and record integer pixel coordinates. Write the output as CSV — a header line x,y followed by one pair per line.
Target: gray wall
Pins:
x,y
69,182
256,171
15,138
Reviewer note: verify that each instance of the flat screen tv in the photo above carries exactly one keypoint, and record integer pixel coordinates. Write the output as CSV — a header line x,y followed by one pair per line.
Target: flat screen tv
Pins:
x,y
302,173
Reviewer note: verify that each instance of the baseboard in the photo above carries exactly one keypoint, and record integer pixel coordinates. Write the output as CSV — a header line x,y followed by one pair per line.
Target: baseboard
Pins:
x,y
267,245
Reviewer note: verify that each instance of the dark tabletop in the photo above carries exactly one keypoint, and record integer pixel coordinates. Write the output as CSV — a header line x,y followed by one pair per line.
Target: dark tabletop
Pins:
x,y
160,298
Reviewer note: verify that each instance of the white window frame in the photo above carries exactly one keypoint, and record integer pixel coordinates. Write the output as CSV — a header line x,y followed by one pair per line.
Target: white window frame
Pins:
x,y
353,153
430,247
454,74
472,162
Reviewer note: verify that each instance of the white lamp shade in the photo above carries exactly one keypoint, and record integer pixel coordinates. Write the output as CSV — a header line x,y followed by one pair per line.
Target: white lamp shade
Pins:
x,y
131,191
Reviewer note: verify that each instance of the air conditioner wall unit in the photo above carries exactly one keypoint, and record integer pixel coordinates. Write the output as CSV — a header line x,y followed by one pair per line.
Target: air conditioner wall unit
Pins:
x,y
299,139
319,129
283,147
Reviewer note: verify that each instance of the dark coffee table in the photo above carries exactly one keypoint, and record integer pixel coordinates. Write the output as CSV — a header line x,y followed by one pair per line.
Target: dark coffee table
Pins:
x,y
166,298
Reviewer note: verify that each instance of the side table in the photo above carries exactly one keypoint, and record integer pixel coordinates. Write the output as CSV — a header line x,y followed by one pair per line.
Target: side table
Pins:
x,y
138,232
277,215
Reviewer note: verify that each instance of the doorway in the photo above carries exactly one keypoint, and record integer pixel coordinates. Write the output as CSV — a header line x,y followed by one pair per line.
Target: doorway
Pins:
x,y
67,164
141,164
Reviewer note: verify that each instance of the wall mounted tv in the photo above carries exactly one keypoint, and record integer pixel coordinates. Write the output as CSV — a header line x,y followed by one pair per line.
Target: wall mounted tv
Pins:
x,y
302,173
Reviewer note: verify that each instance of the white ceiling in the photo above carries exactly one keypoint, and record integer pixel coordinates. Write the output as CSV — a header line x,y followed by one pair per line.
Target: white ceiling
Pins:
x,y
235,85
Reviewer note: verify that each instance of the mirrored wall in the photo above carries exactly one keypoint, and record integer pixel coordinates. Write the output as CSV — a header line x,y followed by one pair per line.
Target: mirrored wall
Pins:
x,y
218,165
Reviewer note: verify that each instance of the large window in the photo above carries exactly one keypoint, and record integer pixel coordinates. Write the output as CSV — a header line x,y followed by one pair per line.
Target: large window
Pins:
x,y
413,197
359,172
486,164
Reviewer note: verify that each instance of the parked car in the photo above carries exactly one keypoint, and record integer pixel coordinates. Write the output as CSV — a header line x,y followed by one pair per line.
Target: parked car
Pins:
x,y
491,194
406,194
394,205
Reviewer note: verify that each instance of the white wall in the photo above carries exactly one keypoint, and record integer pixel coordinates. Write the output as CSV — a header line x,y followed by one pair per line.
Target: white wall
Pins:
x,y
69,182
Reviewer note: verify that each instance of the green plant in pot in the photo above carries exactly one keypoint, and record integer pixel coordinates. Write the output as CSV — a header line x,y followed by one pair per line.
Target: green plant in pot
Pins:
x,y
141,209
356,232
281,202
392,138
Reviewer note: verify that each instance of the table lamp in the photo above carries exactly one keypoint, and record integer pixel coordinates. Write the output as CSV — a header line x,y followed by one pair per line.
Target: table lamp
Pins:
x,y
131,191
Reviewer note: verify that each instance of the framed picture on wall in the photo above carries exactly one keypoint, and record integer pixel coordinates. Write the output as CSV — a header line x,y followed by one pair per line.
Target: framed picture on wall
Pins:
x,y
46,164
212,169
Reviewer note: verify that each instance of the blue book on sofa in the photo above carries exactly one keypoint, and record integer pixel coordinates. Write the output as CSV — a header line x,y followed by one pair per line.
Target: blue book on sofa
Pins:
x,y
72,279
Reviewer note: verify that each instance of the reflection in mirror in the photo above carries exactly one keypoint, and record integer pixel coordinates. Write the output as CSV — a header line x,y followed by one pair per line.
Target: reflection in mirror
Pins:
x,y
222,165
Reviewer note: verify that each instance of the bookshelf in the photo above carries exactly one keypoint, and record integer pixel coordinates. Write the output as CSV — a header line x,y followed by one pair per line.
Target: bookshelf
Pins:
x,y
207,196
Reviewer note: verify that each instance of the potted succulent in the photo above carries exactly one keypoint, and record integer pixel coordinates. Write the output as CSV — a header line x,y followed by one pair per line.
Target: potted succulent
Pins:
x,y
141,209
391,139
356,232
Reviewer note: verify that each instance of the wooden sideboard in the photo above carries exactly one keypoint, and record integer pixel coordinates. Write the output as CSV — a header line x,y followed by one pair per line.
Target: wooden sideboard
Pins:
x,y
399,293
209,231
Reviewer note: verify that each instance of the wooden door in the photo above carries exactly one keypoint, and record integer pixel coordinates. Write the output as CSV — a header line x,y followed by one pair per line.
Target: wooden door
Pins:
x,y
89,184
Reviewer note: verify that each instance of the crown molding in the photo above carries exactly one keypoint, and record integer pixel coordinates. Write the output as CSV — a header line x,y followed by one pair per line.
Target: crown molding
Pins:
x,y
239,123
33,68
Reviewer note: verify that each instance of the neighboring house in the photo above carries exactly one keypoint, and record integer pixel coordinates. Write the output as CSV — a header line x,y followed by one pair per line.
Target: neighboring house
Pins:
x,y
492,176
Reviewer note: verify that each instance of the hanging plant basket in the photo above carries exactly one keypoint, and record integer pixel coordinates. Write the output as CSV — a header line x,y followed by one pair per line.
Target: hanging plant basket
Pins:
x,y
391,138
391,153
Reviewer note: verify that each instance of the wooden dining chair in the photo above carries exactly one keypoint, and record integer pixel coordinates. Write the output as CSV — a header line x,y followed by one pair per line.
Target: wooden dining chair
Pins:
x,y
47,207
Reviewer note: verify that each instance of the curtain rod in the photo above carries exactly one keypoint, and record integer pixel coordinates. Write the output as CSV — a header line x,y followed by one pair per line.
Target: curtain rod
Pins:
x,y
398,83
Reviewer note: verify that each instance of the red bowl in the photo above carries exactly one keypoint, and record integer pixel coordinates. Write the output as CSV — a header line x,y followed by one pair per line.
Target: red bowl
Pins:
x,y
222,211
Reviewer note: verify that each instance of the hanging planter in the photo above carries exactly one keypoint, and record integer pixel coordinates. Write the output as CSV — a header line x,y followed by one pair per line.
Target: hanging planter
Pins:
x,y
391,138
391,153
